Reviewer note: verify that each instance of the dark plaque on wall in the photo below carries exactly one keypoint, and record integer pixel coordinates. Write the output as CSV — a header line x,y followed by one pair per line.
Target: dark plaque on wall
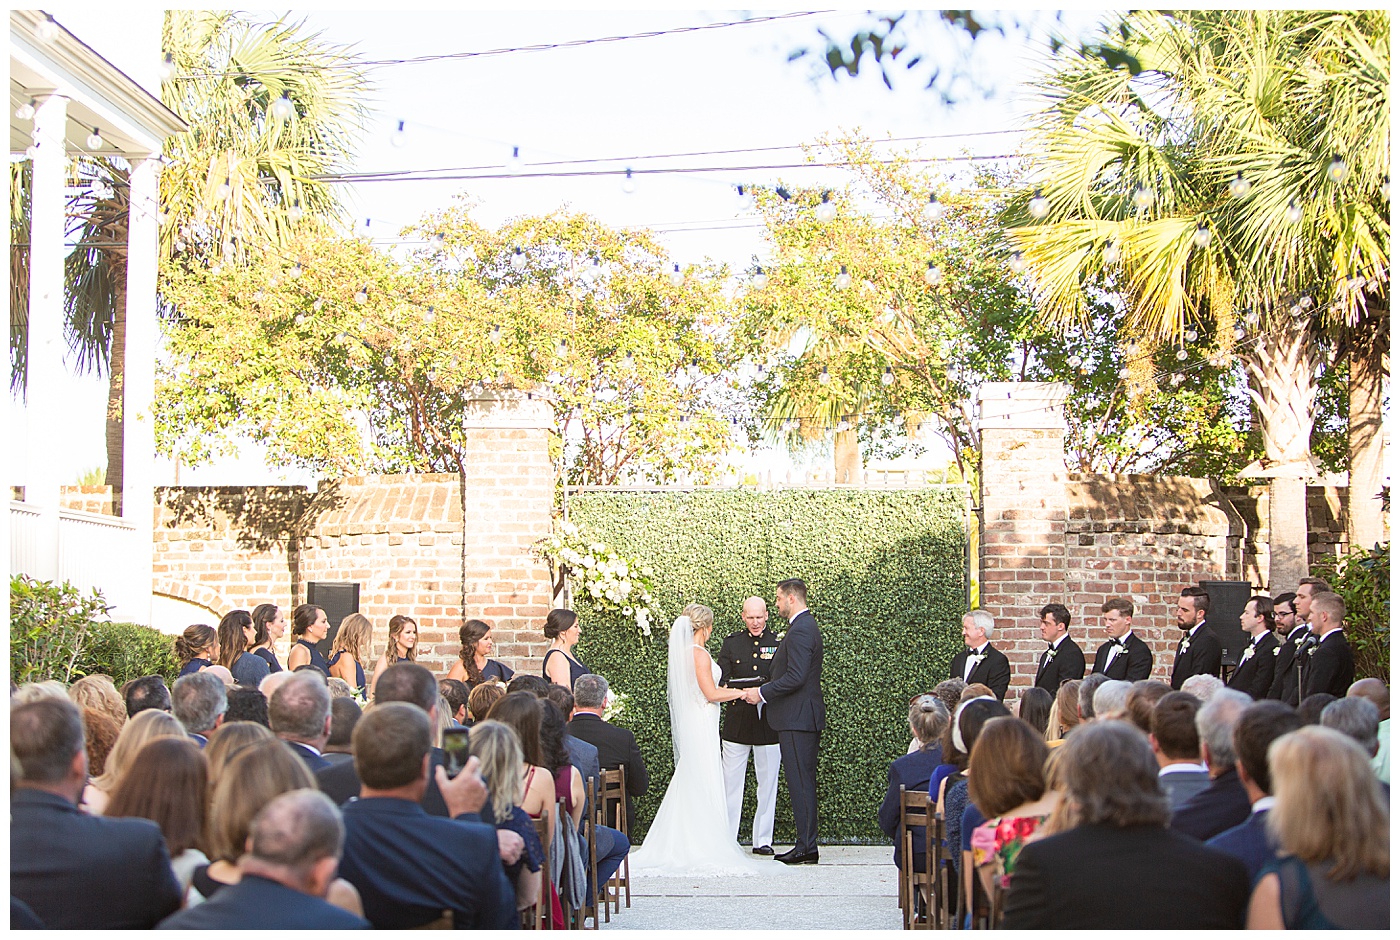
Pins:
x,y
339,599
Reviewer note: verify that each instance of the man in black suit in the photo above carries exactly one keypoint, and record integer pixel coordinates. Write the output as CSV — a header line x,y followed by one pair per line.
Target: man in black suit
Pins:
x,y
1261,724
1224,803
1287,686
1124,656
794,707
1119,869
746,661
294,846
199,701
1199,651
617,747
981,661
300,714
1062,660
1255,673
75,871
410,867
1329,665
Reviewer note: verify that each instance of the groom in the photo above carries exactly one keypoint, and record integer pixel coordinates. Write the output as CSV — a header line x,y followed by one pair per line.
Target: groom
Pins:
x,y
793,705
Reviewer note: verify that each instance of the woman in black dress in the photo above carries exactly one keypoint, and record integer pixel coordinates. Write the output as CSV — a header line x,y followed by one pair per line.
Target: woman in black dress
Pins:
x,y
235,633
196,648
269,624
560,667
474,663
402,648
309,627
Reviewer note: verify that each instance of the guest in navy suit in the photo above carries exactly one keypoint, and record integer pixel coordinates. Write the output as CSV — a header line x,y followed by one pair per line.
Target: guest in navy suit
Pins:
x,y
1223,804
1177,746
300,714
981,662
75,871
410,867
294,847
1124,656
923,769
1260,725
199,700
1329,665
1199,652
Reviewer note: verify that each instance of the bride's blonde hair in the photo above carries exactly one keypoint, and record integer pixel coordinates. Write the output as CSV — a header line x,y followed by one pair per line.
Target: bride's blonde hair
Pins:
x,y
701,617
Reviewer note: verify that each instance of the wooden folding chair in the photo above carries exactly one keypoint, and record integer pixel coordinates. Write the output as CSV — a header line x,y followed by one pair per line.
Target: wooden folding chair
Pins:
x,y
919,898
536,917
588,831
613,812
945,899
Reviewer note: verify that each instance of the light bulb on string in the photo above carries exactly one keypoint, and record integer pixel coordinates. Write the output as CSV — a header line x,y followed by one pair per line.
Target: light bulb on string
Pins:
x,y
294,271
429,316
1124,372
1177,379
514,165
1294,212
166,69
1239,333
843,426
760,279
495,332
629,185
933,209
47,29
398,138
388,361
677,278
1039,206
1305,302
341,337
283,109
1295,311
31,152
1018,264
1202,237
1075,361
362,294
1251,317
216,269
517,261
1385,188
1337,168
745,197
299,319
825,377
888,377
295,213
789,426
258,295
1133,349
25,112
224,189
1110,252
843,279
762,371
1143,197
94,140
228,249
933,275
431,376
1192,336
562,349
1239,186
826,211
1181,354
437,240
317,304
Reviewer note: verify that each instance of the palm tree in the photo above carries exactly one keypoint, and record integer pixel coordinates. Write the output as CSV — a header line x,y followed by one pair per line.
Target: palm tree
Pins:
x,y
270,109
1237,179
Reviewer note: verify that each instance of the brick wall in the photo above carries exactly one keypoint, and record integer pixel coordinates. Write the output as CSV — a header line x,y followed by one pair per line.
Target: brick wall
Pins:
x,y
1327,526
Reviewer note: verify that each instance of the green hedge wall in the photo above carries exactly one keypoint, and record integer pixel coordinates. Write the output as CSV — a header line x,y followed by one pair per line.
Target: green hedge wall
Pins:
x,y
886,575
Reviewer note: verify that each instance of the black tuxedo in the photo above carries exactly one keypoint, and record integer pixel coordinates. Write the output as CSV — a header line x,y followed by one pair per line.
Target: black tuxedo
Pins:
x,y
261,904
1255,675
1285,684
1097,877
1130,665
617,747
794,707
1051,672
1200,657
1329,667
994,671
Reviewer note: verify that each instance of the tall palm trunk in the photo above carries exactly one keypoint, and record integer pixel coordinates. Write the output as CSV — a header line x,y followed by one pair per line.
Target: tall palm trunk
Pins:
x,y
848,465
1365,346
116,379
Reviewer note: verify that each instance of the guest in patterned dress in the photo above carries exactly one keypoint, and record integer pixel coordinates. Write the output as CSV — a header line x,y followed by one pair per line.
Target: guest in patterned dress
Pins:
x,y
1007,783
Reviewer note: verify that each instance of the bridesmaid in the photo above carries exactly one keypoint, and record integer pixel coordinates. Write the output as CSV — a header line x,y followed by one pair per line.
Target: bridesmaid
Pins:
x,y
560,667
309,627
402,648
235,634
197,648
269,625
348,650
474,663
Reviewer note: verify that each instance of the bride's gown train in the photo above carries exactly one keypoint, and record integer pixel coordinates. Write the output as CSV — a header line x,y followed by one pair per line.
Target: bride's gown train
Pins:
x,y
691,834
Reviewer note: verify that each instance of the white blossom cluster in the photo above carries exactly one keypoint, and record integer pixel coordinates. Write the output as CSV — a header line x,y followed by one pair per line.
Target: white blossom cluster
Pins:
x,y
611,581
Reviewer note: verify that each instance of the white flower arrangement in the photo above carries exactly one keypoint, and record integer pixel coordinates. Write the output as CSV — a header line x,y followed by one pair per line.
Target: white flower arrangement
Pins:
x,y
615,705
611,581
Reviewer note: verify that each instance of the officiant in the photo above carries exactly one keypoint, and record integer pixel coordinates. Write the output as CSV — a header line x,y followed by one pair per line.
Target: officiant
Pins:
x,y
746,662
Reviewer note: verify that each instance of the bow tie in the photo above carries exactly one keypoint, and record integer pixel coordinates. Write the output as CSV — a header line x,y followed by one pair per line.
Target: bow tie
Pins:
x,y
971,651
1121,644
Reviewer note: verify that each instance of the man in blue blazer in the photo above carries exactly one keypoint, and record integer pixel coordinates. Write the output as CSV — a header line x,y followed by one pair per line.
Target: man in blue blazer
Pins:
x,y
294,846
410,868
795,709
1223,804
75,871
1260,725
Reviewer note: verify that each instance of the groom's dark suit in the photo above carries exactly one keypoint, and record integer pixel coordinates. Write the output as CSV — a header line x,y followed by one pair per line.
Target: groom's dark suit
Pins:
x,y
795,709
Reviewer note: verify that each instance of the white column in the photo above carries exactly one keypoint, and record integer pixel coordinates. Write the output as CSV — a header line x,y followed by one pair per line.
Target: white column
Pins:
x,y
43,409
138,391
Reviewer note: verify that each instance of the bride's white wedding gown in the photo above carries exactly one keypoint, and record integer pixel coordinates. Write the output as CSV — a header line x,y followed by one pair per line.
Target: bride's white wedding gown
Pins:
x,y
691,834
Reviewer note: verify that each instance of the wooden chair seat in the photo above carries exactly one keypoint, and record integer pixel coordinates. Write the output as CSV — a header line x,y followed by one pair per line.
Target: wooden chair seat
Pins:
x,y
921,894
612,812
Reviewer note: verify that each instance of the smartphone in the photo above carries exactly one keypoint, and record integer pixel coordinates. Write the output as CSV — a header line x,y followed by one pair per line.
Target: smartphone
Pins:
x,y
456,750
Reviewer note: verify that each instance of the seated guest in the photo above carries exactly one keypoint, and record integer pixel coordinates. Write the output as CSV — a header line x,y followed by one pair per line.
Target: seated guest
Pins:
x,y
1143,698
1111,699
1378,694
38,691
345,713
1119,868
231,738
582,755
1223,804
502,770
236,635
1064,717
246,705
168,783
1356,718
923,769
269,686
612,845
617,747
196,649
456,693
220,672
1333,831
1311,707
199,701
147,692
98,693
300,714
1034,708
482,697
1006,782
436,864
949,692
75,871
535,685
1177,747
100,734
1261,724
953,802
524,714
339,688
145,727
1202,686
1087,687
294,846
474,664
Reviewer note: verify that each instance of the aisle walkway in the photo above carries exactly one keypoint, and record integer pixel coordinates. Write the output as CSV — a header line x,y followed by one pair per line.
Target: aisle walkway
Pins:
x,y
854,888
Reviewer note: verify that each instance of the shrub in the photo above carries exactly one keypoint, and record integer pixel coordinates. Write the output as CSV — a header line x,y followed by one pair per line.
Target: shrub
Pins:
x,y
1362,578
127,651
49,624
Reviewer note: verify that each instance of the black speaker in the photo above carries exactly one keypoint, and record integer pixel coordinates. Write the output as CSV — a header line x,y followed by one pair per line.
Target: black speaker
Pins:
x,y
339,599
1227,600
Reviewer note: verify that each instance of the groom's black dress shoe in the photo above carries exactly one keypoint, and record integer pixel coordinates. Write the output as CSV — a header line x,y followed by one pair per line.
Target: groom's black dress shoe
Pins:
x,y
763,850
797,858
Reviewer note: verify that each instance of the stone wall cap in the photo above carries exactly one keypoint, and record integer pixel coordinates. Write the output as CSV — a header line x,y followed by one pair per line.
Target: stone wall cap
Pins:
x,y
1022,405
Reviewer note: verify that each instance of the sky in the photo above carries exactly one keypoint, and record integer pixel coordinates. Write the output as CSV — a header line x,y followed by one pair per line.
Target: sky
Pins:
x,y
729,88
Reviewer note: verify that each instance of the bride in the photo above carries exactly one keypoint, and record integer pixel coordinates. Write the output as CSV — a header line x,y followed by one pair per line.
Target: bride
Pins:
x,y
691,834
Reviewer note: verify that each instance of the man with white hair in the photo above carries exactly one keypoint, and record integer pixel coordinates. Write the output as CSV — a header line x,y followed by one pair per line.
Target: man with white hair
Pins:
x,y
1111,699
981,661
1202,686
746,661
1223,804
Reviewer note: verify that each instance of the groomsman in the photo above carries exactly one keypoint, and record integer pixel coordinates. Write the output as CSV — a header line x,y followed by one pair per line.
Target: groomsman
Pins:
x,y
1328,666
1062,660
1255,673
1199,651
746,662
981,661
1287,683
1124,656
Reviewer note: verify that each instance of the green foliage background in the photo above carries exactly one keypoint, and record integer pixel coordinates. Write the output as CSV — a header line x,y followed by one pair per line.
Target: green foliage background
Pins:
x,y
1362,578
886,574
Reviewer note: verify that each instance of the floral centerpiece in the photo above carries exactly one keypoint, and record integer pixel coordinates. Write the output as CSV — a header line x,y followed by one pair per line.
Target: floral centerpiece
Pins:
x,y
610,581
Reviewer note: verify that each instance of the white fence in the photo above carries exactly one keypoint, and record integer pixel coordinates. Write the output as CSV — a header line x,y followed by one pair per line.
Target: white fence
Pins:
x,y
94,551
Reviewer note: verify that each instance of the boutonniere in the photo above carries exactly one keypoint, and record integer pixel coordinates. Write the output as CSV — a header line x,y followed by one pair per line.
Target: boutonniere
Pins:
x,y
1247,654
1312,650
1277,650
780,637
1050,654
1185,645
976,658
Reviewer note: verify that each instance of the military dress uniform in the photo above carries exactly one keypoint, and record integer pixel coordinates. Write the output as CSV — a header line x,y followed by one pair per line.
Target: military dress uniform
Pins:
x,y
746,662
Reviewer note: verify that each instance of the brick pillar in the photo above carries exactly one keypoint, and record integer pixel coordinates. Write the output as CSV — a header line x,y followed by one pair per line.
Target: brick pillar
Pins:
x,y
1023,502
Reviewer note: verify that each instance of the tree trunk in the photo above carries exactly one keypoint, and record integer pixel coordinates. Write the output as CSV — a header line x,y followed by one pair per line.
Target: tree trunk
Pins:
x,y
1365,345
848,465
116,383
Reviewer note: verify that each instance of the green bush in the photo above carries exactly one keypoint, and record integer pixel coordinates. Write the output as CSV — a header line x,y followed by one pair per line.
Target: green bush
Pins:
x,y
49,625
887,580
127,651
1362,578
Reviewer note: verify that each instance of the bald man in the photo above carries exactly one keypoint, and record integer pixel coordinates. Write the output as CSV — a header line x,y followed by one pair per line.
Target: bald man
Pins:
x,y
1376,691
746,662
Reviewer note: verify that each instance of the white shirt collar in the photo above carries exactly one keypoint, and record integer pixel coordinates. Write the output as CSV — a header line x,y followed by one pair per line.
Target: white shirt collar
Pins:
x,y
978,651
1186,767
1254,641
1263,803
1328,633
1056,642
1196,629
796,614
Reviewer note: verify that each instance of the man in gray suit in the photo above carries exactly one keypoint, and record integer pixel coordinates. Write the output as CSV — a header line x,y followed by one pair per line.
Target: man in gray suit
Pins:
x,y
793,705
1177,746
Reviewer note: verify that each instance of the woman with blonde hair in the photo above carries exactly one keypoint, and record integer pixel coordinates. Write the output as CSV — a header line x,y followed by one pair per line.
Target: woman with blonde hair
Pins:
x,y
349,650
498,749
136,733
402,648
227,740
99,693
197,648
1064,715
1332,827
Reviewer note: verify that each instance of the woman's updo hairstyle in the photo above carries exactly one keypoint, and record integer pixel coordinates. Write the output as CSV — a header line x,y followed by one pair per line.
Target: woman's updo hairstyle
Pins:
x,y
303,617
196,639
701,617
928,719
558,622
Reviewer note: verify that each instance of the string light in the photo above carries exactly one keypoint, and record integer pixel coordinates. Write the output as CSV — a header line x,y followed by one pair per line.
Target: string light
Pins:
x,y
1124,372
1202,237
295,213
1337,168
398,138
517,261
628,362
629,185
362,294
933,209
825,377
224,189
1110,252
429,316
933,276
762,371
1181,354
25,112
1385,188
1018,264
1239,186
1143,197
299,319
827,210
1075,361
745,197
562,349
1294,212
94,140
1239,333
437,239
760,279
677,278
295,270
1192,336
342,337
495,332
843,426
789,426
843,279
317,304
1039,206
283,110
513,165
1305,302
166,69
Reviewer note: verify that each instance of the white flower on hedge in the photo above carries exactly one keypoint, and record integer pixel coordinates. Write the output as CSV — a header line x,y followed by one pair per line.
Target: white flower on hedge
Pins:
x,y
568,528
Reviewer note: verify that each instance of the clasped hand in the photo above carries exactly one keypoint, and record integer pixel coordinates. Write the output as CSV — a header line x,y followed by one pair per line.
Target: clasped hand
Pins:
x,y
751,696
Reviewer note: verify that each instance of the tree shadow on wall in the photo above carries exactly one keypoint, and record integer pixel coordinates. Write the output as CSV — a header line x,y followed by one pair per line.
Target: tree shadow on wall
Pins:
x,y
256,517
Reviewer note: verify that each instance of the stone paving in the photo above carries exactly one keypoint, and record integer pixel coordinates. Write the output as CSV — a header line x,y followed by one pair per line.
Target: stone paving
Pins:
x,y
854,888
